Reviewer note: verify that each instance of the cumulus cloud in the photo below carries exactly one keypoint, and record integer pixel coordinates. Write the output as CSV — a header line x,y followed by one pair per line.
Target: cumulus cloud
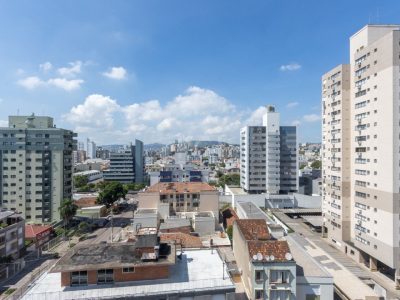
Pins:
x,y
47,66
95,112
31,82
197,113
292,104
290,67
311,118
117,73
73,69
68,85
34,82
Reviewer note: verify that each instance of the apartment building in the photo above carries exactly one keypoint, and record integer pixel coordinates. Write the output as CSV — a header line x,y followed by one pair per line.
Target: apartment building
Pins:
x,y
268,268
12,234
176,198
364,222
127,166
268,156
336,153
35,167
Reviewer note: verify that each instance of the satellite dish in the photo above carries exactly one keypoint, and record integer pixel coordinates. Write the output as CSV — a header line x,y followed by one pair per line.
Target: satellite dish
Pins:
x,y
259,256
288,256
272,258
266,257
254,257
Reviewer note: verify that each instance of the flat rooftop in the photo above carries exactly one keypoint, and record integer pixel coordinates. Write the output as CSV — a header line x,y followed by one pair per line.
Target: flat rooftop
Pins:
x,y
97,256
180,187
198,271
306,264
315,221
237,190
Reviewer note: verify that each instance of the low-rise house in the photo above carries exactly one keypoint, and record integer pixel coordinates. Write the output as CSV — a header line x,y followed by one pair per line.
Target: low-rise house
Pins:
x,y
180,197
12,234
146,259
38,234
267,266
176,225
88,208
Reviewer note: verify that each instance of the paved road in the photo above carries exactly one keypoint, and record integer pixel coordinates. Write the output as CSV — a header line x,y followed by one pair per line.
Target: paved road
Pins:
x,y
357,269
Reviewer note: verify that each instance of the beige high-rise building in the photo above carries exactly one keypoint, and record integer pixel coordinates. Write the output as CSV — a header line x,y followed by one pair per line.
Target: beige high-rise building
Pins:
x,y
35,167
361,149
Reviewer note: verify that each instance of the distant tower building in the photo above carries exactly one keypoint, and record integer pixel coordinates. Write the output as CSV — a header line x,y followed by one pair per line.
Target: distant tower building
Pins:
x,y
127,165
35,167
268,160
90,149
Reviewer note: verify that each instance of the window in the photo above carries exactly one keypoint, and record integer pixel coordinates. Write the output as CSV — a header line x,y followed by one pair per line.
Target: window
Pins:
x,y
259,275
105,276
259,294
128,270
79,278
279,276
313,297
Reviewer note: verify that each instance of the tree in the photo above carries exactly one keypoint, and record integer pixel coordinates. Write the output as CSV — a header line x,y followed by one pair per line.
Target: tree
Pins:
x,y
135,186
229,232
83,227
80,181
67,210
111,193
316,164
229,179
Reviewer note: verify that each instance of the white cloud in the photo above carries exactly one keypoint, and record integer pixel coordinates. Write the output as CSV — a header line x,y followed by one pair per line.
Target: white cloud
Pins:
x,y
95,112
117,73
197,113
292,104
73,69
34,82
31,82
47,66
311,118
290,67
296,123
68,85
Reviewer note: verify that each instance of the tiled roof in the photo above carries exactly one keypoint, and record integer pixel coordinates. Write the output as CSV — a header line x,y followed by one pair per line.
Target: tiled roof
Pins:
x,y
276,248
253,229
32,230
86,202
179,187
187,240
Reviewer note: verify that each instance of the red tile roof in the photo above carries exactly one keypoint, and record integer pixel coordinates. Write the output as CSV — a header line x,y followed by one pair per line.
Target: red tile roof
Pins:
x,y
180,187
31,231
253,229
187,240
276,248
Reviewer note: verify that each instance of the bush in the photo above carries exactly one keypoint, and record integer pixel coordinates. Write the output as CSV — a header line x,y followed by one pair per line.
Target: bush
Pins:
x,y
229,232
9,291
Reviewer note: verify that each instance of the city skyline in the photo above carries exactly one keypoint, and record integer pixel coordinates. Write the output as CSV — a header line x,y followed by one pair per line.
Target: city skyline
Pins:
x,y
159,72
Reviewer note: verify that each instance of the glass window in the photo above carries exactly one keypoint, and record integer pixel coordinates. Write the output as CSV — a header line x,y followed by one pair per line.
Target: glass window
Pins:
x,y
79,278
105,276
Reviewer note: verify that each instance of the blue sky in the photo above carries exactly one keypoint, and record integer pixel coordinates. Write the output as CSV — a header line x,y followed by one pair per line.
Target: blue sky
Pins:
x,y
161,70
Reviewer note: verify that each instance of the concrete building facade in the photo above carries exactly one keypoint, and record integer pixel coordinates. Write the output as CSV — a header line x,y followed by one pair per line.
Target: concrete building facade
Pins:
x,y
126,166
370,217
268,156
35,167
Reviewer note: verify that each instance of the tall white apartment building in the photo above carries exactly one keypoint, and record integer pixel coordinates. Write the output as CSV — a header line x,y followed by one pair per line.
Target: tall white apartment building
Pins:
x,y
362,179
90,149
35,167
268,156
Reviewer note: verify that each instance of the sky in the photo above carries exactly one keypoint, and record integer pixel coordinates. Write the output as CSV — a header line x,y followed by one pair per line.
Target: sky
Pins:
x,y
114,71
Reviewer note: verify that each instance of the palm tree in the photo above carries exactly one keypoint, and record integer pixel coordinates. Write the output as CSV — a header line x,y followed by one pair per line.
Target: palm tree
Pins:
x,y
67,210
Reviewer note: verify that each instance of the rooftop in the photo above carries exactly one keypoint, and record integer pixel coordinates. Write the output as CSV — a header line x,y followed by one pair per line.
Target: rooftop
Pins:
x,y
198,271
253,229
32,230
306,264
97,256
279,250
187,240
86,202
171,223
180,187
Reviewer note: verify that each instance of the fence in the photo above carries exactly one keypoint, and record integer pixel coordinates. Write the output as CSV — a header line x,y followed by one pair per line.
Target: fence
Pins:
x,y
29,281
